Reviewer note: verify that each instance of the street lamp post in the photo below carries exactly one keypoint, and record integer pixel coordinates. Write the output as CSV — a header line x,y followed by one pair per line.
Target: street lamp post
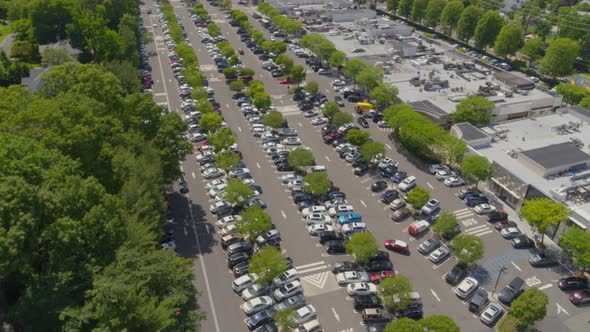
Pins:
x,y
501,270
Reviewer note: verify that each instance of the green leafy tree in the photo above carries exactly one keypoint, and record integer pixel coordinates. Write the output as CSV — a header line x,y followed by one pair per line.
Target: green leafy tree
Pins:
x,y
227,160
237,192
488,28
247,72
330,108
56,56
419,10
370,150
477,169
450,149
262,101
529,307
405,7
353,67
237,85
543,214
468,22
450,16
476,110
370,77
439,323
204,106
126,72
312,88
572,94
404,324
418,196
317,184
357,137
255,87
285,63
254,222
337,58
392,5
210,122
341,118
384,94
467,248
395,292
221,139
575,243
268,263
297,74
585,102
445,224
284,319
434,12
273,119
533,49
171,145
362,246
213,29
300,157
509,40
230,73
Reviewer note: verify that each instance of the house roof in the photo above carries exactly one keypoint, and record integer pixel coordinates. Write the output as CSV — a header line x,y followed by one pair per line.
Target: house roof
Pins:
x,y
34,82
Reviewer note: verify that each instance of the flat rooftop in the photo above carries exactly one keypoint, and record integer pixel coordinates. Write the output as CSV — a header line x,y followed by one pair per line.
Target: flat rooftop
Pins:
x,y
556,155
471,132
538,133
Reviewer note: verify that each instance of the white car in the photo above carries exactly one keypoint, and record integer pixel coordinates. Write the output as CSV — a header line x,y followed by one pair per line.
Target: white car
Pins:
x,y
217,190
228,220
340,209
319,121
312,209
354,227
291,177
204,155
510,232
229,229
350,277
169,245
256,305
304,314
466,287
338,82
286,277
237,172
444,174
437,167
484,209
317,229
361,288
407,184
318,218
294,183
454,181
291,141
212,173
287,290
439,255
271,145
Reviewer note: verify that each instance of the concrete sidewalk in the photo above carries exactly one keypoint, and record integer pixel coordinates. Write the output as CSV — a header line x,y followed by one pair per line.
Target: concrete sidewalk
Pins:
x,y
7,43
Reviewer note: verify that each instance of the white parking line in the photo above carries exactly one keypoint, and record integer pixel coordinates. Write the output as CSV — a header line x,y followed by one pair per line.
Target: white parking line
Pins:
x,y
388,146
327,91
435,295
181,169
227,105
283,214
335,314
193,174
363,203
299,123
258,165
328,159
428,184
239,129
366,180
545,286
516,266
301,267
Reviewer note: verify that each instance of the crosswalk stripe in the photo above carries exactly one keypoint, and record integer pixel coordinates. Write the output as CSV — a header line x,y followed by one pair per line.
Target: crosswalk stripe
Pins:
x,y
309,265
312,269
477,228
462,210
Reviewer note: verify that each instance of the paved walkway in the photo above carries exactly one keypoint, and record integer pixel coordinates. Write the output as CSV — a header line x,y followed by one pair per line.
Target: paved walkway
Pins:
x,y
7,43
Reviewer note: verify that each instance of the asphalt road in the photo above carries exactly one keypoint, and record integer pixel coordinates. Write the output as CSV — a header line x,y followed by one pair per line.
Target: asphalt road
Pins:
x,y
196,236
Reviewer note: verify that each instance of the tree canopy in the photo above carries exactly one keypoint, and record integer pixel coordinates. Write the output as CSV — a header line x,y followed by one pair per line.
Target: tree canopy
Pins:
x,y
357,137
317,184
450,15
341,118
273,119
300,157
477,168
445,224
509,40
529,307
576,245
543,214
418,196
268,263
467,248
362,246
476,110
395,292
254,222
560,57
488,28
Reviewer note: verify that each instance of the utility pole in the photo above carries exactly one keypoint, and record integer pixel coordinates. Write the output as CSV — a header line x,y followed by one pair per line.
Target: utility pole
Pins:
x,y
501,270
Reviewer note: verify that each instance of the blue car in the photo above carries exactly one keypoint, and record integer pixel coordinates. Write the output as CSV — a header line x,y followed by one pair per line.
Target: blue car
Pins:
x,y
350,218
472,201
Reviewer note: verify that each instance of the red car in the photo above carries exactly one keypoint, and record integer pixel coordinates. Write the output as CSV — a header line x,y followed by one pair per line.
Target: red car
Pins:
x,y
377,276
580,297
241,51
397,246
287,81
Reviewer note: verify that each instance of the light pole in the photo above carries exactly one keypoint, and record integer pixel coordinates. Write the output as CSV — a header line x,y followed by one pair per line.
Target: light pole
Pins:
x,y
501,270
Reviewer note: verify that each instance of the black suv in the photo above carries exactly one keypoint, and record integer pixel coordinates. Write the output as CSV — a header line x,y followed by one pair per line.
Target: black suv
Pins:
x,y
328,236
361,303
497,216
457,274
511,291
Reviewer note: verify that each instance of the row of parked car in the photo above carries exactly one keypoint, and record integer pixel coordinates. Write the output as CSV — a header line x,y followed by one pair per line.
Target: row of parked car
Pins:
x,y
261,301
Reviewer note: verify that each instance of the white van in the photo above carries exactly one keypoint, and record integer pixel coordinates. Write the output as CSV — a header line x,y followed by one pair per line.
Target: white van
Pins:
x,y
407,184
315,169
311,326
244,282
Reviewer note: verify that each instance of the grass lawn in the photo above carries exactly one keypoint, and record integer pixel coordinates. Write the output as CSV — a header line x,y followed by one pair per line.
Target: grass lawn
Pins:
x,y
5,29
